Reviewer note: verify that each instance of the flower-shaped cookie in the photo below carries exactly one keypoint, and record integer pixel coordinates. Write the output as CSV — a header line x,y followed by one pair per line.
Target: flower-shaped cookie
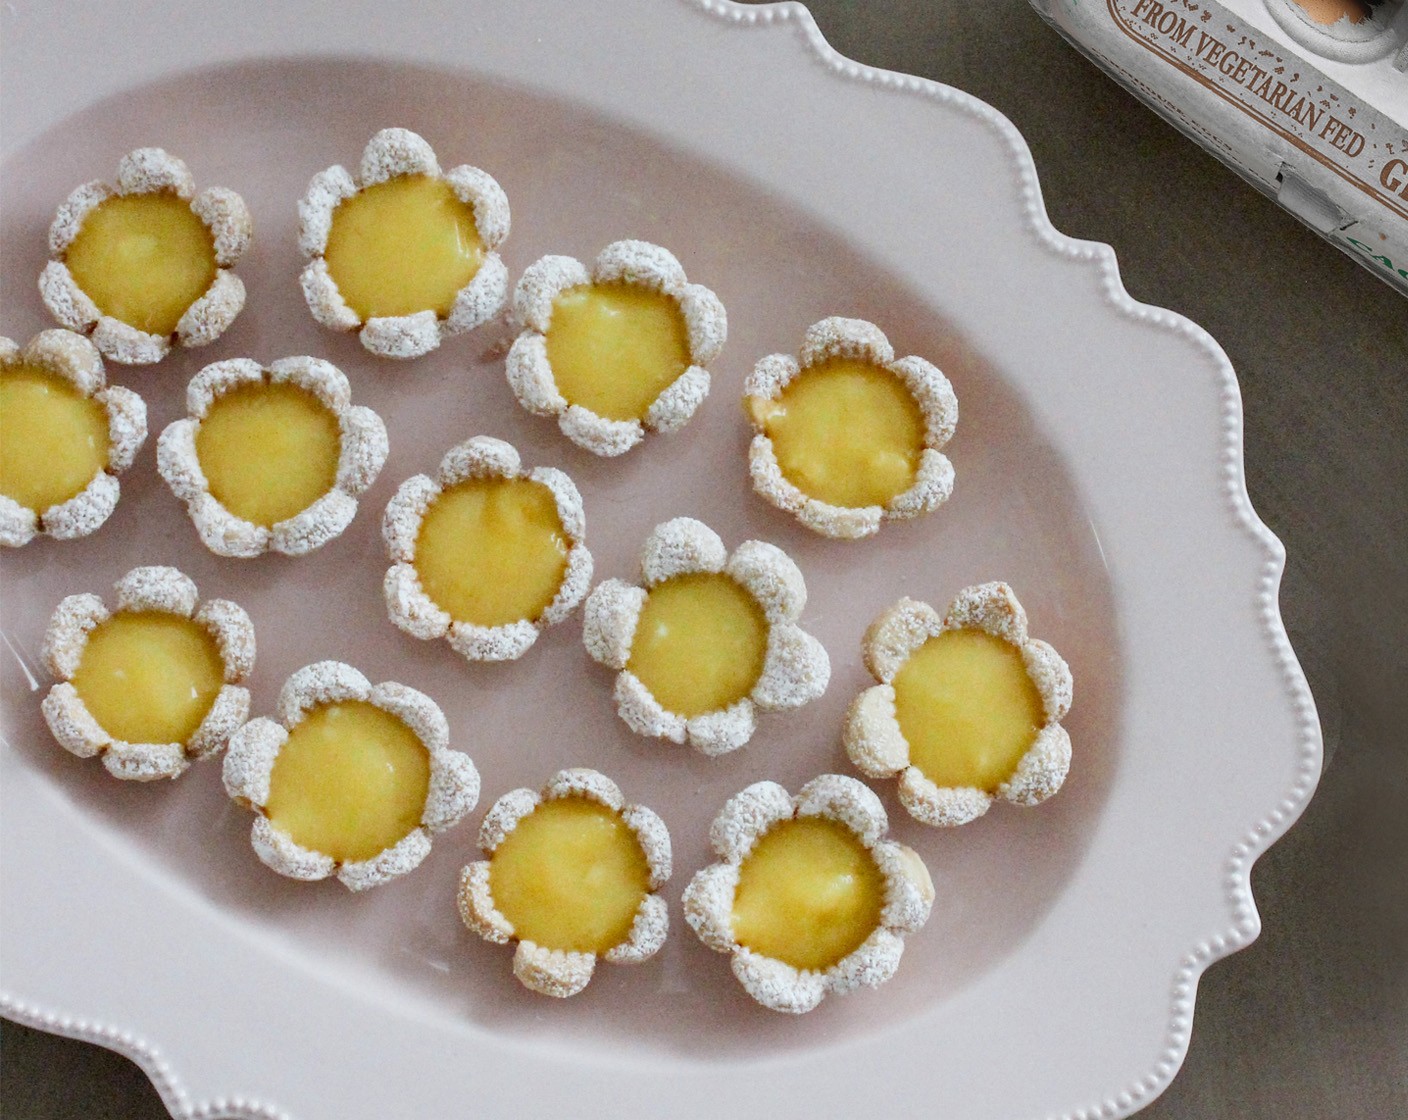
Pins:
x,y
849,436
271,458
967,708
709,641
352,779
403,253
67,435
146,262
810,897
573,874
486,554
616,351
153,684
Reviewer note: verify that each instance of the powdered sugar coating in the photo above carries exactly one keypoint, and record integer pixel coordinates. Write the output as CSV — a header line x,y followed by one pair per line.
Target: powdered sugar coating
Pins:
x,y
415,710
157,589
581,782
645,715
125,344
76,360
554,972
746,816
503,817
222,212
69,217
861,341
319,684
228,713
168,591
233,632
648,933
276,850
394,152
361,456
403,856
743,821
475,902
654,840
211,315
723,731
18,524
324,298
636,263
65,354
600,436
843,799
144,762
795,671
679,547
72,724
127,425
711,894
73,620
508,642
85,512
771,577
413,611
66,301
246,774
391,153
152,171
227,217
892,638
609,622
249,764
876,744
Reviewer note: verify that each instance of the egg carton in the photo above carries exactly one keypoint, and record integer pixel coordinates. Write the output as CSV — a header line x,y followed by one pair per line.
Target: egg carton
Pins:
x,y
1305,99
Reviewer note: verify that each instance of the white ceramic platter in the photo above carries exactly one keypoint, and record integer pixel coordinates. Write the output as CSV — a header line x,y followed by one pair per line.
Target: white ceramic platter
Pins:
x,y
1099,471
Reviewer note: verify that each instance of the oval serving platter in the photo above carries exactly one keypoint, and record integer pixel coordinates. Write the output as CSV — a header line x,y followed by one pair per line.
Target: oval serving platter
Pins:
x,y
1099,471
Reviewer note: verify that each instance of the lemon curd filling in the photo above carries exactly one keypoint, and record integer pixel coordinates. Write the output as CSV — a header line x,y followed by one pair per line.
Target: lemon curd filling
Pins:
x,y
845,432
808,894
403,246
699,644
268,451
492,551
614,348
967,708
149,677
53,439
570,876
143,259
350,782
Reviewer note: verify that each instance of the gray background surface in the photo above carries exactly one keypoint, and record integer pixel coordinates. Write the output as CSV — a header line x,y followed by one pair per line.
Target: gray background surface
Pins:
x,y
1312,1020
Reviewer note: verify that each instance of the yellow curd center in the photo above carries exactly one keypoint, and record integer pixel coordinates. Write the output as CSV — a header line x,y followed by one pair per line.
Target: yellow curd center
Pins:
x,y
845,432
614,348
808,894
268,451
149,677
699,644
492,551
350,781
967,708
570,876
402,246
53,439
144,259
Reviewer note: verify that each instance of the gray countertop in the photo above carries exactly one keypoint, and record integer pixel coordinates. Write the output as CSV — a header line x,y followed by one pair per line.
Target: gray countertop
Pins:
x,y
1312,1019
